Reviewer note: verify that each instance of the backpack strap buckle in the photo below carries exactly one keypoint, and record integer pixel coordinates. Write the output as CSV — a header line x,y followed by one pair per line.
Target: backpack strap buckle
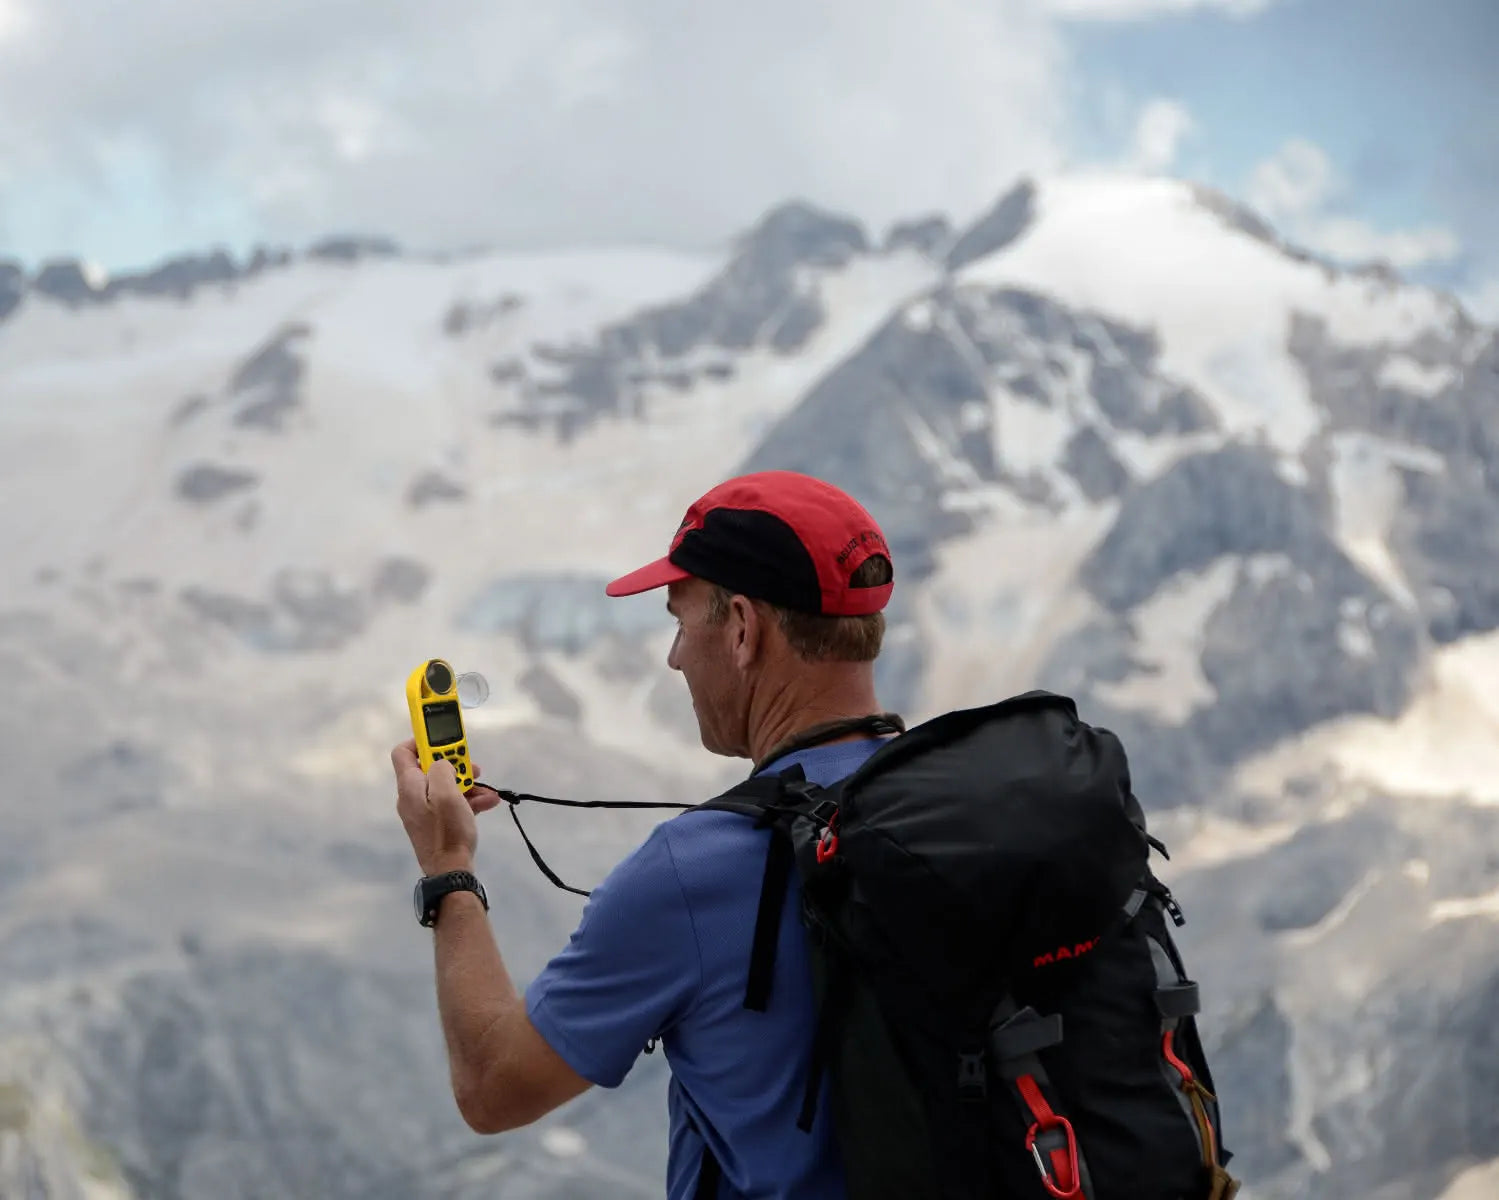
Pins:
x,y
823,812
973,1078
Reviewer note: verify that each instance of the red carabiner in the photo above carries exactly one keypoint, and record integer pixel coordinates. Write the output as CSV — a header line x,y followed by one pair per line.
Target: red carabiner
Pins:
x,y
827,845
1064,1163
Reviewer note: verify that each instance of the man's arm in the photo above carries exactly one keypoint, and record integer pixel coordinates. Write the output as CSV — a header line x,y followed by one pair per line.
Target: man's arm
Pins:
x,y
504,1073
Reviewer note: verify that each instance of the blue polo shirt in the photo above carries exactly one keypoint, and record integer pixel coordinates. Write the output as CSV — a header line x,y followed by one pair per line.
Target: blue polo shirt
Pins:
x,y
662,951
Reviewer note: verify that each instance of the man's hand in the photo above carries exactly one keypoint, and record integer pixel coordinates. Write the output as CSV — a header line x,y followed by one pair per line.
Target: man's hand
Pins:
x,y
439,819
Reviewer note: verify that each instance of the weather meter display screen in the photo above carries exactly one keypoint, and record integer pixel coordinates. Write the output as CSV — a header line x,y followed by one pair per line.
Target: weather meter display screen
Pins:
x,y
444,725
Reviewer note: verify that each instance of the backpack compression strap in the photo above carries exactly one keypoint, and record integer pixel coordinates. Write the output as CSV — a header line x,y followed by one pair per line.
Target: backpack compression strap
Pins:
x,y
1016,1036
1177,1001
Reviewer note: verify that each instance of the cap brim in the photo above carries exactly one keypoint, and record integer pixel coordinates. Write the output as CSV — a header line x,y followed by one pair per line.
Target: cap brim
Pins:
x,y
651,576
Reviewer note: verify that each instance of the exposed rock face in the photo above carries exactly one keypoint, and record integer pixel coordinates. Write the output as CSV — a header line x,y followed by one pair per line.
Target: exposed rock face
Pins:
x,y
12,288
69,281
1000,226
765,297
567,612
920,414
206,482
928,236
266,387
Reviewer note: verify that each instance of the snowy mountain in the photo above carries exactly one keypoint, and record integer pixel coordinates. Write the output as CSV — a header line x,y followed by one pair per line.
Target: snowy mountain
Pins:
x,y
1127,444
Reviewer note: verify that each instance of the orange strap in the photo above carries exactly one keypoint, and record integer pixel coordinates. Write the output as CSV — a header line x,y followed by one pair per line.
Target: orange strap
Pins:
x,y
1197,1097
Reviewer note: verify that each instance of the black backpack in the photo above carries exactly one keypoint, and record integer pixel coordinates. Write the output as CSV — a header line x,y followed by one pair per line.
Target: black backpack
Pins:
x,y
1003,1012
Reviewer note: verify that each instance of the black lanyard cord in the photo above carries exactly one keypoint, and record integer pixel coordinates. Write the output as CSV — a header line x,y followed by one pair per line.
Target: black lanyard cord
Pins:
x,y
879,724
876,724
513,800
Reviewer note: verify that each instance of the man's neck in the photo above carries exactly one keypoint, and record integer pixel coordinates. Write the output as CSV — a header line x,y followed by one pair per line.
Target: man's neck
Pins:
x,y
787,713
829,733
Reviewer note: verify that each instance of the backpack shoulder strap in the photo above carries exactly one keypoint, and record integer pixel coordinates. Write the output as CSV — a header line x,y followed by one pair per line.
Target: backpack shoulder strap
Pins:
x,y
776,801
759,796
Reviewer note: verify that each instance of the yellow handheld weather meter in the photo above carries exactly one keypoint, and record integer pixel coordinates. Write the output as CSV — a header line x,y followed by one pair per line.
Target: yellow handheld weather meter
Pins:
x,y
436,719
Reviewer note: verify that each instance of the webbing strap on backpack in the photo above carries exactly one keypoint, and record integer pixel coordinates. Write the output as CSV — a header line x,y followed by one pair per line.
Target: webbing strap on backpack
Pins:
x,y
1177,1000
764,799
1016,1036
780,859
774,801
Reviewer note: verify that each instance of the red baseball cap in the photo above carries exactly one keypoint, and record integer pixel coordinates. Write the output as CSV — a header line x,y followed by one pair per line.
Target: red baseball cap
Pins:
x,y
789,539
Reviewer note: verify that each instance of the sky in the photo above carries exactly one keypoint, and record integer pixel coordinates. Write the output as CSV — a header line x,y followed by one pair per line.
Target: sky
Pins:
x,y
130,132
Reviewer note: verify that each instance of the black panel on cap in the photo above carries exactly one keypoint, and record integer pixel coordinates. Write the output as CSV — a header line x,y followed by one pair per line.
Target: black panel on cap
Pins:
x,y
754,554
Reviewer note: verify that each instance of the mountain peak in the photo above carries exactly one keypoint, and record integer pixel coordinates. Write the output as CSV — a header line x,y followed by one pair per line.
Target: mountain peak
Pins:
x,y
75,282
351,248
798,232
997,228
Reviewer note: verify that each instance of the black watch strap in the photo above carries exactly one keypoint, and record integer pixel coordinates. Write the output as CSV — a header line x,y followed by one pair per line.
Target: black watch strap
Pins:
x,y
431,890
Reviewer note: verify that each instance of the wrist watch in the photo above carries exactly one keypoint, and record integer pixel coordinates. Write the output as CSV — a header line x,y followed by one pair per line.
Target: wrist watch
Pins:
x,y
431,889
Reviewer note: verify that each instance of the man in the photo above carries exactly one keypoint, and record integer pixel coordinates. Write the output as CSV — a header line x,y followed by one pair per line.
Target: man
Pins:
x,y
777,582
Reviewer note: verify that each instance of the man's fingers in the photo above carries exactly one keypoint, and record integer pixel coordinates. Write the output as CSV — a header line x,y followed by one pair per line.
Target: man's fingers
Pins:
x,y
481,800
408,767
411,783
442,784
449,806
404,752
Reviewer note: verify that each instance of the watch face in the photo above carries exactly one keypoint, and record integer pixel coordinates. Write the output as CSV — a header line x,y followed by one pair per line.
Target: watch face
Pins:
x,y
417,901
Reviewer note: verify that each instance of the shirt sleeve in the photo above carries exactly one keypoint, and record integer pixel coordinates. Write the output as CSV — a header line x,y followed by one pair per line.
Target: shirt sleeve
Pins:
x,y
630,970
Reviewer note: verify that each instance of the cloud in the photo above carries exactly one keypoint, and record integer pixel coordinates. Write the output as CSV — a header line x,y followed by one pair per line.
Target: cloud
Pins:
x,y
15,20
1351,240
1160,129
1298,190
1294,182
1137,10
1482,301
510,122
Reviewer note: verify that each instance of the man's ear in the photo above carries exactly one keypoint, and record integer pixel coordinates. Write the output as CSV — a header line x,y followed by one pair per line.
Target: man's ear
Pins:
x,y
747,625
